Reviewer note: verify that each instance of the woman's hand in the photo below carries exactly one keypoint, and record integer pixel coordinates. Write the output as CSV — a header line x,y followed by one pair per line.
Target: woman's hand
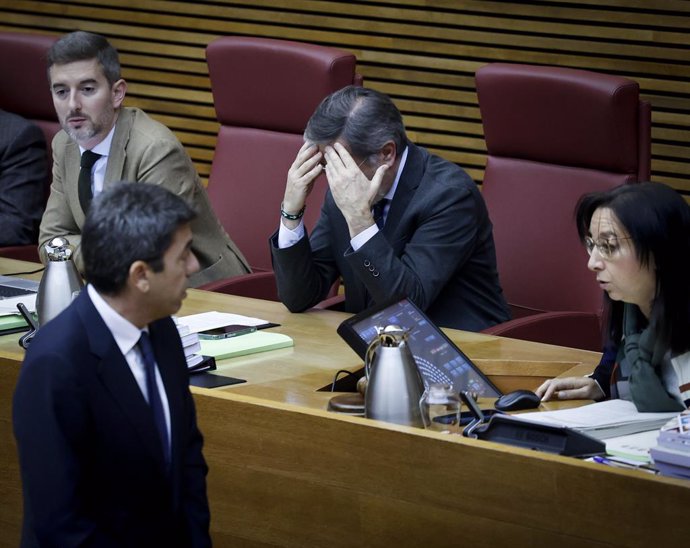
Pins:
x,y
570,388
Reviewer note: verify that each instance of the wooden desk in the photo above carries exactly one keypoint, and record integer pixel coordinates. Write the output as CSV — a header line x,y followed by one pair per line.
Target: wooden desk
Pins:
x,y
285,472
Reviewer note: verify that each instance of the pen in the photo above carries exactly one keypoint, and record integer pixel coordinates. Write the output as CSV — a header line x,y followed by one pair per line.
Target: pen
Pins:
x,y
618,464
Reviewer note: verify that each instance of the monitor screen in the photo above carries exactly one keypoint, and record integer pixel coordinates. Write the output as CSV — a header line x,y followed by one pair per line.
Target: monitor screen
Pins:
x,y
438,358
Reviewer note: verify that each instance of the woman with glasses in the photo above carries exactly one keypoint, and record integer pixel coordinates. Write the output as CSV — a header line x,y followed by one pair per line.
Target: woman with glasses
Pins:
x,y
638,240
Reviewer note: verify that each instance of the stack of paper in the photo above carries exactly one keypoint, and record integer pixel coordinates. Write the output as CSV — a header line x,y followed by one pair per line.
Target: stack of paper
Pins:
x,y
634,447
672,454
603,420
192,349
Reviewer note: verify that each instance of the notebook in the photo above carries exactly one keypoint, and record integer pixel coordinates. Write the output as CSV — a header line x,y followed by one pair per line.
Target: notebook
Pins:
x,y
11,287
259,341
438,359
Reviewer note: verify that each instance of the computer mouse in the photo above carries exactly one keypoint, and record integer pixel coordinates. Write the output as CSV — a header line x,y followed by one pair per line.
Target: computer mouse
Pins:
x,y
518,400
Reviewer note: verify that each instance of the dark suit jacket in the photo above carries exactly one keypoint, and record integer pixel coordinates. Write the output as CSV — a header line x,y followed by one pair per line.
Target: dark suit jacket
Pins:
x,y
92,465
436,248
23,179
142,151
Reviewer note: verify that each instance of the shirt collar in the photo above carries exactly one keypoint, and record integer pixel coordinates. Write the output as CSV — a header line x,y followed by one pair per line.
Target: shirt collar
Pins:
x,y
391,192
125,333
102,148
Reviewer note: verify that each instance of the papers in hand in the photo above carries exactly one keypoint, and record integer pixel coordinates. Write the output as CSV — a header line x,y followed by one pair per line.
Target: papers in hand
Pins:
x,y
212,320
603,420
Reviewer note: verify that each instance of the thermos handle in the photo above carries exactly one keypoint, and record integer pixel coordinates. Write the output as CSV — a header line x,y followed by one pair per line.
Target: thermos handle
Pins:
x,y
370,356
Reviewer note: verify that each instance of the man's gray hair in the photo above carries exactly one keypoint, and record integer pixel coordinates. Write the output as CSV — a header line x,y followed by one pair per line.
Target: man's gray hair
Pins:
x,y
363,118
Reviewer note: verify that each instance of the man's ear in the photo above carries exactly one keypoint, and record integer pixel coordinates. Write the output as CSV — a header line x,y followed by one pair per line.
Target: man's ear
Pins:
x,y
139,276
388,153
118,92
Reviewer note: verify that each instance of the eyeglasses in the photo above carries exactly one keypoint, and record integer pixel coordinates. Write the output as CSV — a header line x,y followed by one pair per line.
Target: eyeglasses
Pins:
x,y
608,249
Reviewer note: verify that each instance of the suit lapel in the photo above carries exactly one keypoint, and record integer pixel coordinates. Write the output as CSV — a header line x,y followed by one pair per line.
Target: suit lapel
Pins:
x,y
71,184
116,376
357,294
407,185
118,147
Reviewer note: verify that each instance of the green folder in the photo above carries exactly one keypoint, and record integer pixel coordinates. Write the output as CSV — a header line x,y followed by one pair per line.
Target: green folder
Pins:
x,y
259,341
12,323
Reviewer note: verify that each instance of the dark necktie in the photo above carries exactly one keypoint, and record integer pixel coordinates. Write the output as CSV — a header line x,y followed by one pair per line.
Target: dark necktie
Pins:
x,y
377,211
88,159
152,388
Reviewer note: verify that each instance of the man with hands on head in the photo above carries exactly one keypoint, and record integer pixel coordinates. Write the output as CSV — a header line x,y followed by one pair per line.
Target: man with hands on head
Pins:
x,y
396,220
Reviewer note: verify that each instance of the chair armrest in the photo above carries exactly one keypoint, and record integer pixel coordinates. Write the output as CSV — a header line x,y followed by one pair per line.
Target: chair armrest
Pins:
x,y
21,252
257,285
262,285
571,329
336,302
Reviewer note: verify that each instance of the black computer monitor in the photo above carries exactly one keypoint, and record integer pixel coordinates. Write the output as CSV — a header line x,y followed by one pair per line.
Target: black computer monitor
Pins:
x,y
439,360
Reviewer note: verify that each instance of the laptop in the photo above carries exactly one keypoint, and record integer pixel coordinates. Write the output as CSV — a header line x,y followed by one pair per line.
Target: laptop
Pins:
x,y
438,359
11,287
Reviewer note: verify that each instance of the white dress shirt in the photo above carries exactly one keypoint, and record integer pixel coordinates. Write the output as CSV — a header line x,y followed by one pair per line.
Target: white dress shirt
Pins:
x,y
98,169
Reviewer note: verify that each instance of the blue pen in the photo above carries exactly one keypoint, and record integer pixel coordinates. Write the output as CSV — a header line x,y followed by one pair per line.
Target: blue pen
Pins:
x,y
601,460
619,464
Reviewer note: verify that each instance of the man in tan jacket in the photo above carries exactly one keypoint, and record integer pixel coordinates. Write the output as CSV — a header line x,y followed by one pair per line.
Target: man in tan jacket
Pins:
x,y
123,144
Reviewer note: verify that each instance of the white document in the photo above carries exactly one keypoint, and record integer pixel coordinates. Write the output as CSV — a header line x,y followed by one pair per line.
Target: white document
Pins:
x,y
212,320
635,446
9,306
603,420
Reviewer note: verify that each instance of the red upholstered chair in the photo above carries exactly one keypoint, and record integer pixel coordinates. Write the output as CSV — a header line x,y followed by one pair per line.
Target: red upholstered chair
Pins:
x,y
264,92
553,134
24,90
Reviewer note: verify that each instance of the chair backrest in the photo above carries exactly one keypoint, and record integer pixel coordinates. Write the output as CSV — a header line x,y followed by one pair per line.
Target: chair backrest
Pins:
x,y
264,92
553,134
24,87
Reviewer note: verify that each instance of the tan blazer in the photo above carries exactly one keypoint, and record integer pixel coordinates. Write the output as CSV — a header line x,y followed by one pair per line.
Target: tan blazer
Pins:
x,y
142,151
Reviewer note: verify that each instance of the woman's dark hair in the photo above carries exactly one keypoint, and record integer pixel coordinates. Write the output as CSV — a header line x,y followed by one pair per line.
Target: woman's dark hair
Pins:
x,y
657,219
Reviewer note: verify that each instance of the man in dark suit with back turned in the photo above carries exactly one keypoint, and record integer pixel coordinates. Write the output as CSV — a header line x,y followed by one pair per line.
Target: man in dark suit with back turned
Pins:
x,y
23,176
396,220
109,449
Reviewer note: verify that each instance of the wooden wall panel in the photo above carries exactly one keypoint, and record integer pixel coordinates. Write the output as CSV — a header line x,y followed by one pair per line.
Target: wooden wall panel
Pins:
x,y
422,52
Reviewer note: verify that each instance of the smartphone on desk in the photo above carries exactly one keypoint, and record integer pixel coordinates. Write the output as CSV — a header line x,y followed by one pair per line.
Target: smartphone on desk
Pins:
x,y
226,332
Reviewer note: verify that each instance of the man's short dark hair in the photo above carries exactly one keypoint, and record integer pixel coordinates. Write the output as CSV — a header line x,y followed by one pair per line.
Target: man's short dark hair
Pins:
x,y
127,223
82,46
364,118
